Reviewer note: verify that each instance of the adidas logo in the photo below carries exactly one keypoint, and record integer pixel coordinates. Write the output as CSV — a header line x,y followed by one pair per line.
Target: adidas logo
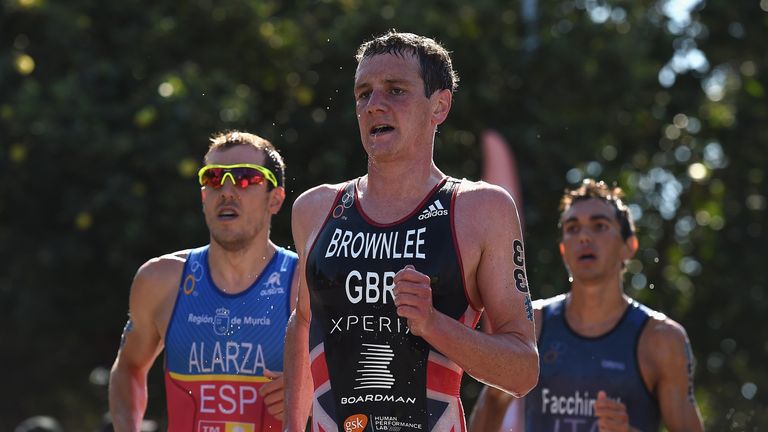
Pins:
x,y
435,209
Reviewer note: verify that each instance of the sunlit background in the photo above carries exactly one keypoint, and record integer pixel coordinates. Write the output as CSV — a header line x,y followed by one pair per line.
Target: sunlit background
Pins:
x,y
106,107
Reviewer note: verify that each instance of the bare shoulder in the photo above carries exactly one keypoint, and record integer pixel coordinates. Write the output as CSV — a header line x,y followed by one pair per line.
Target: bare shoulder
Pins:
x,y
482,195
315,200
165,266
663,331
663,340
310,210
488,208
158,278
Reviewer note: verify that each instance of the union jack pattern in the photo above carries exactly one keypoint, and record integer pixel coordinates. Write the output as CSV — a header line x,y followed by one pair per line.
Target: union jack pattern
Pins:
x,y
369,373
444,408
324,404
443,382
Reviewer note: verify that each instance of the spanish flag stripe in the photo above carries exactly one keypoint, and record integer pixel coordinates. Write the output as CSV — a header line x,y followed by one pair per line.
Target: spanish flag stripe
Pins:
x,y
220,377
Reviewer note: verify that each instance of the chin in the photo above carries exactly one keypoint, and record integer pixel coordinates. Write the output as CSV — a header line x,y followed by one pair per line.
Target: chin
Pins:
x,y
380,151
230,243
589,276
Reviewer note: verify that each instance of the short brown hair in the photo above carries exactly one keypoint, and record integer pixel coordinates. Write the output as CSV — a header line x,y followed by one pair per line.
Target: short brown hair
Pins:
x,y
272,159
590,188
436,68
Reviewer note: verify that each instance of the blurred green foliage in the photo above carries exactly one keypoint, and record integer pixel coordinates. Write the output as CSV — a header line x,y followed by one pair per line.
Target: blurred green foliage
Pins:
x,y
105,110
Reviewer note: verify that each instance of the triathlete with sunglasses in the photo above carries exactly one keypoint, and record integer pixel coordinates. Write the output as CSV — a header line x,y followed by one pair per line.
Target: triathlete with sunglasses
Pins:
x,y
220,310
398,265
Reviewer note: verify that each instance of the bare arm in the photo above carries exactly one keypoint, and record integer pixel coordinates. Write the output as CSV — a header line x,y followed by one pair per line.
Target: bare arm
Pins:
x,y
298,380
489,410
308,213
673,359
496,410
492,254
152,293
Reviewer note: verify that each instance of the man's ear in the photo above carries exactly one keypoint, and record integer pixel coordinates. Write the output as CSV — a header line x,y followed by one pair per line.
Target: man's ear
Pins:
x,y
442,100
562,256
630,248
276,199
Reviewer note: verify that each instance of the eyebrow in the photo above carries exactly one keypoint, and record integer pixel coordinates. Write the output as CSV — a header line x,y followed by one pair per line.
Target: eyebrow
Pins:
x,y
388,81
593,218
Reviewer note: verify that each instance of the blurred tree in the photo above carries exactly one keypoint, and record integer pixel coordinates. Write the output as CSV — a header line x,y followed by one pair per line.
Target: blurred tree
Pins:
x,y
113,104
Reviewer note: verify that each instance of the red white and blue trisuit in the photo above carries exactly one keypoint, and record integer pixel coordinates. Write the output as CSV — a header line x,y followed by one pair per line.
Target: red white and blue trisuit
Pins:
x,y
370,373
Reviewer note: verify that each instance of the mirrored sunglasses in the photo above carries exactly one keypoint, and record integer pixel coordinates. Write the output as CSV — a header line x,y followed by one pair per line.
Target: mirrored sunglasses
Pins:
x,y
241,175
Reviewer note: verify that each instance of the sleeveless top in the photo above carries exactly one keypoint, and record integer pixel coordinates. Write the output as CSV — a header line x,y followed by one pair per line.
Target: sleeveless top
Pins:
x,y
370,373
218,345
574,368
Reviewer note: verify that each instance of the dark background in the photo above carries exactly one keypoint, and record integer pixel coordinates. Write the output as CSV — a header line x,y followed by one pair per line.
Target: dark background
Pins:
x,y
106,107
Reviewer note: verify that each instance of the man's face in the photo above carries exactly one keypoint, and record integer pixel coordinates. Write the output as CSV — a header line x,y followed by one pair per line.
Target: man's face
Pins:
x,y
237,216
592,246
393,113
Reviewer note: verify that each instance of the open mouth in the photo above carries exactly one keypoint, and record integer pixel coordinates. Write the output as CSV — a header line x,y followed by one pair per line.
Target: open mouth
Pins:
x,y
587,257
381,129
227,214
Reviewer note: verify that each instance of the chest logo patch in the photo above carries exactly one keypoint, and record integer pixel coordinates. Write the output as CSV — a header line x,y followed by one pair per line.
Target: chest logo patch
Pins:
x,y
273,285
434,209
221,321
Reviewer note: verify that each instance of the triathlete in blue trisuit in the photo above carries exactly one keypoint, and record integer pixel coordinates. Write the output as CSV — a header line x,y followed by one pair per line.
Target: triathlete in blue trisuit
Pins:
x,y
607,362
219,311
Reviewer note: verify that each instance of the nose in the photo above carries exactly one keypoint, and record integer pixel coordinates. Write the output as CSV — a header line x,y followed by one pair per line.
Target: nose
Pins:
x,y
228,175
375,101
584,237
228,188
